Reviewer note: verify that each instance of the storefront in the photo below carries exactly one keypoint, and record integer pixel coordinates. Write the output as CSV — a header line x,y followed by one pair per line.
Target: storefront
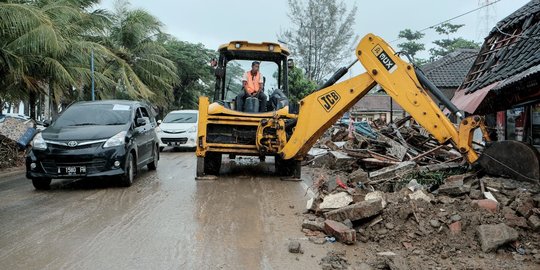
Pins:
x,y
520,123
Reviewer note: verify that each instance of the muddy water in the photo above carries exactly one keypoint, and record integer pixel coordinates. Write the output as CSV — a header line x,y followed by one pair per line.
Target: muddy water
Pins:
x,y
166,220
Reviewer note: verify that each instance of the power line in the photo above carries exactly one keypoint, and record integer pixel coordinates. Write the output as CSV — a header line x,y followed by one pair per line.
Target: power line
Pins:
x,y
453,18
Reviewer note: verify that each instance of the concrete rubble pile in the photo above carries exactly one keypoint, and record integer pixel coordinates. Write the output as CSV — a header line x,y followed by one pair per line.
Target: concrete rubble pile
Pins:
x,y
15,135
424,206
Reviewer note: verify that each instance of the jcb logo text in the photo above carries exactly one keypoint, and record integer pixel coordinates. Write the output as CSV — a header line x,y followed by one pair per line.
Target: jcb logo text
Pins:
x,y
329,100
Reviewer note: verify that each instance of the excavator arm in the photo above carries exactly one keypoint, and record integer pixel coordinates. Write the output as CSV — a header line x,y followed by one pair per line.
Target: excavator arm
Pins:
x,y
409,88
321,109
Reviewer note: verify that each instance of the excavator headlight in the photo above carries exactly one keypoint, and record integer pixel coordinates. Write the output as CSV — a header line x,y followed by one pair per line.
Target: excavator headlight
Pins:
x,y
237,45
271,47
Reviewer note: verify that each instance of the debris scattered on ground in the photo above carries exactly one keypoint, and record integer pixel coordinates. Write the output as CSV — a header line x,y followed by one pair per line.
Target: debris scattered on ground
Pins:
x,y
422,204
334,261
15,135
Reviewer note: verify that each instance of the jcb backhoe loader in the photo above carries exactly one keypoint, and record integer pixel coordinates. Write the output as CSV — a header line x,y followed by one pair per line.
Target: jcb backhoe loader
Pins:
x,y
288,135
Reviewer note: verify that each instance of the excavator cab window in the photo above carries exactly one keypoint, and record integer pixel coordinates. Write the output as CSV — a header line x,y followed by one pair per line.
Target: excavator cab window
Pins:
x,y
236,58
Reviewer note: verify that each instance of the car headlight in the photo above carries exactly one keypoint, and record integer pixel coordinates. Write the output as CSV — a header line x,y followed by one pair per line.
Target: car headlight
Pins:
x,y
39,143
116,140
192,129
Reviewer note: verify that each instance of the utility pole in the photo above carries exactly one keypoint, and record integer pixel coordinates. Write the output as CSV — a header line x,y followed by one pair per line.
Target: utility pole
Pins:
x,y
92,68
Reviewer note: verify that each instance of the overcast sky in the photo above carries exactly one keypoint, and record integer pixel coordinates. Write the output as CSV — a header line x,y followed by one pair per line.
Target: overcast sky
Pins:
x,y
214,22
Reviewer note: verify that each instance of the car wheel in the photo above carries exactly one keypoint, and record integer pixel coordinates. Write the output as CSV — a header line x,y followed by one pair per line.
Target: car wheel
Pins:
x,y
126,179
42,183
152,166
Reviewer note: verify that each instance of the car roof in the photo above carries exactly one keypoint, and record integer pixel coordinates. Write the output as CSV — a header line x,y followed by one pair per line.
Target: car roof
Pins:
x,y
112,102
184,111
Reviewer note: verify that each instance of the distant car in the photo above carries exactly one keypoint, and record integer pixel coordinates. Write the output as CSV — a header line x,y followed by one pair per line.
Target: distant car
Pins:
x,y
178,129
95,139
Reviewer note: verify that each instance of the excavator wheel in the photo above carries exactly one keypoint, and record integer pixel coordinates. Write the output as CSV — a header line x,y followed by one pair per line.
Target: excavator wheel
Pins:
x,y
289,168
512,159
209,164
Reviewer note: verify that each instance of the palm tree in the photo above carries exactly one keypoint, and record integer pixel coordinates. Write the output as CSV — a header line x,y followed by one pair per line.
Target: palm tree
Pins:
x,y
140,67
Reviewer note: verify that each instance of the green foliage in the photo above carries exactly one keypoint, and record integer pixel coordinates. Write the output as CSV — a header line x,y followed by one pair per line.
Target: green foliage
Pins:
x,y
431,178
321,35
195,76
299,85
411,46
46,47
448,45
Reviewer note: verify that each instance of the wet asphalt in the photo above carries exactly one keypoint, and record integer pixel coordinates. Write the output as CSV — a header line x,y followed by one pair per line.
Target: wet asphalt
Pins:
x,y
166,220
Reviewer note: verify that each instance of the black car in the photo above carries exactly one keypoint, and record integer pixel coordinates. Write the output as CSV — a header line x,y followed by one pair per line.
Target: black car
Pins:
x,y
95,139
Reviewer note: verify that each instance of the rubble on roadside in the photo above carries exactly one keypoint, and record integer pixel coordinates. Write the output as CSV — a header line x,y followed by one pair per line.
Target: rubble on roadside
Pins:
x,y
15,135
424,204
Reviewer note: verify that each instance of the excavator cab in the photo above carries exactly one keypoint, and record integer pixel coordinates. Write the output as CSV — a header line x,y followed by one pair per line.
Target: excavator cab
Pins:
x,y
235,58
224,129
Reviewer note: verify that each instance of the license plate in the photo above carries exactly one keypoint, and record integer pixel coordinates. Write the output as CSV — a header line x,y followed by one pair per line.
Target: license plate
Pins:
x,y
72,170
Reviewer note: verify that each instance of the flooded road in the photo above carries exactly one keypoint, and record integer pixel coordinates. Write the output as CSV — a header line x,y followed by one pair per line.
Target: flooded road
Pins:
x,y
166,220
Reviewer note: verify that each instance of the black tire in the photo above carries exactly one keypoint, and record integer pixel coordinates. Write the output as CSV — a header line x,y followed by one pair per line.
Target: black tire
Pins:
x,y
291,168
126,180
152,166
200,166
42,183
212,163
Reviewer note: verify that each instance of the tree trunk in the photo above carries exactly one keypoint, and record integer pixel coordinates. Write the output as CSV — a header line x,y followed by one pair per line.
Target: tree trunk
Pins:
x,y
32,104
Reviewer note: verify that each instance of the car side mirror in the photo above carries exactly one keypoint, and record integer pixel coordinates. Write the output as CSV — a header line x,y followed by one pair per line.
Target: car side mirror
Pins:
x,y
47,123
159,122
141,122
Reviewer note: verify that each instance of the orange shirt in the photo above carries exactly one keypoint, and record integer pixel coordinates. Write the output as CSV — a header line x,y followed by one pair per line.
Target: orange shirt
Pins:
x,y
253,83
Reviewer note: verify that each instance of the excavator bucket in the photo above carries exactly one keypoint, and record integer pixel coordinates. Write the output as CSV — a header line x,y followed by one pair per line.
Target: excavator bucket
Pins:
x,y
512,159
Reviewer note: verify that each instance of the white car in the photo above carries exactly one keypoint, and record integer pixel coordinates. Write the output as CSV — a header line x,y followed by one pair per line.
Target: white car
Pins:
x,y
178,129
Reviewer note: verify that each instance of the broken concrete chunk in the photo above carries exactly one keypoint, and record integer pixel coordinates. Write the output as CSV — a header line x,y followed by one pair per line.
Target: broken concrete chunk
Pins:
x,y
420,195
359,176
392,171
493,236
341,160
321,161
310,205
397,263
313,225
356,211
340,231
376,195
454,187
294,247
534,222
337,200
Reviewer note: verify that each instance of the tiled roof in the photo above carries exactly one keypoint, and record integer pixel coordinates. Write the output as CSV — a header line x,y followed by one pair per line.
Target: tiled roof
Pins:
x,y
512,47
375,103
450,70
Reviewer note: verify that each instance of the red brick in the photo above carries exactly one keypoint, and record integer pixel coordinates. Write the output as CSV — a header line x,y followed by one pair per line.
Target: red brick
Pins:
x,y
487,204
514,221
455,228
340,231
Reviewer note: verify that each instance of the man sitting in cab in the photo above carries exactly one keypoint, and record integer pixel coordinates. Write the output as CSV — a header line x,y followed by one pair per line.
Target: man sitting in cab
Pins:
x,y
252,83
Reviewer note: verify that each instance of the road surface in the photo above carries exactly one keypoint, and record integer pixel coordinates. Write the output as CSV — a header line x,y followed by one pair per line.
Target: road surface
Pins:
x,y
166,220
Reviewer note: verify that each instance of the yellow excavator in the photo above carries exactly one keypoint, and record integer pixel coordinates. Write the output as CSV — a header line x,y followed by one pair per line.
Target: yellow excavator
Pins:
x,y
288,134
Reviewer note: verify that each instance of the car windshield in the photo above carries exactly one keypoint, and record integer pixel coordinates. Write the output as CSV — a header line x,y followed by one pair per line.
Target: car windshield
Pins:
x,y
180,118
94,115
